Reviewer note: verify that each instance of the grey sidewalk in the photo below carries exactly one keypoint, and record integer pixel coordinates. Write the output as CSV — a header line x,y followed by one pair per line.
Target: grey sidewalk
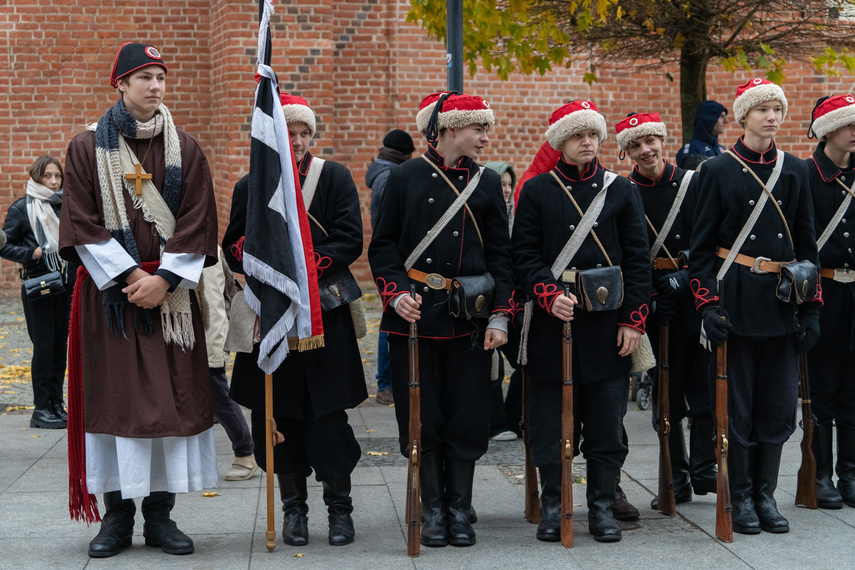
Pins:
x,y
228,529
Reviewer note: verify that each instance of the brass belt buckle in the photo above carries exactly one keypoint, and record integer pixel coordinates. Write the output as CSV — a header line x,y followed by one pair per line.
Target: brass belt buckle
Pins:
x,y
435,281
844,275
757,261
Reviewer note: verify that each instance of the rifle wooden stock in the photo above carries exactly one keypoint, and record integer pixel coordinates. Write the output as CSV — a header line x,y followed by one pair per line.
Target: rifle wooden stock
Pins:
x,y
413,507
532,499
723,508
666,502
806,485
567,435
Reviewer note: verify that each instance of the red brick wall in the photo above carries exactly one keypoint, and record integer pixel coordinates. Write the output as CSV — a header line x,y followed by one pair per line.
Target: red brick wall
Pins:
x,y
358,63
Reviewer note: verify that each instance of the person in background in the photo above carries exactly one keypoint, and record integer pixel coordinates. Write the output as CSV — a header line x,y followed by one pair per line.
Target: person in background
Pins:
x,y
710,121
31,229
397,148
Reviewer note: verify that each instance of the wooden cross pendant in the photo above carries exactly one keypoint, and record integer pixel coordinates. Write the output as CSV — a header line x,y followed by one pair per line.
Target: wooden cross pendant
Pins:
x,y
138,177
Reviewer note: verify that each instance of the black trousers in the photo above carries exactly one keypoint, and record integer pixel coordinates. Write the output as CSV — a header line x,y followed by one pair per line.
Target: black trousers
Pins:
x,y
762,388
598,411
687,379
455,387
325,444
47,325
831,367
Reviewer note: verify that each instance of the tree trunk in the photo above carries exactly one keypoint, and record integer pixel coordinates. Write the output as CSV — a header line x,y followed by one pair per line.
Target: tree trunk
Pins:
x,y
693,87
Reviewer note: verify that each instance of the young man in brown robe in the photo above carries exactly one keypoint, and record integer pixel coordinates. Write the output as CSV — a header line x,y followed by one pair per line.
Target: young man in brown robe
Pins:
x,y
139,391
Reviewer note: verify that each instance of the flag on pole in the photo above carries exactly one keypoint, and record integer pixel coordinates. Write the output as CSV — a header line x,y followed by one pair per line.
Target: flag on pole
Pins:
x,y
278,258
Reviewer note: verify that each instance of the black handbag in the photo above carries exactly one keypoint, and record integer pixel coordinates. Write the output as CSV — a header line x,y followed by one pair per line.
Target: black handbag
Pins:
x,y
471,297
44,286
600,289
797,282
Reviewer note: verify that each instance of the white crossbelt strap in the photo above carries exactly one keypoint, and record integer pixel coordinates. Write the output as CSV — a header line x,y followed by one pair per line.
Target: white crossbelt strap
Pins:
x,y
443,221
838,215
752,219
583,228
672,214
311,182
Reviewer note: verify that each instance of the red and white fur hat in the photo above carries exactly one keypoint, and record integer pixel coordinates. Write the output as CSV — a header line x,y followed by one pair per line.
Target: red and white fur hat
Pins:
x,y
572,118
835,112
297,110
426,110
463,110
753,93
639,125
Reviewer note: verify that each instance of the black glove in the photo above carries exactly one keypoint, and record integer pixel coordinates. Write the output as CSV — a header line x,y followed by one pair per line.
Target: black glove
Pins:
x,y
673,284
715,326
808,326
664,307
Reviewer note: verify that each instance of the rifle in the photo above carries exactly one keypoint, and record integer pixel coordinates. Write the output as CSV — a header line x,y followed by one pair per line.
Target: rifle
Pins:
x,y
413,508
723,507
806,485
666,501
567,434
532,500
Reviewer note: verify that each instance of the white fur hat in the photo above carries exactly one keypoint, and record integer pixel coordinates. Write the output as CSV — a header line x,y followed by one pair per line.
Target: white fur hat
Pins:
x,y
755,92
835,112
572,118
297,110
464,110
426,110
639,125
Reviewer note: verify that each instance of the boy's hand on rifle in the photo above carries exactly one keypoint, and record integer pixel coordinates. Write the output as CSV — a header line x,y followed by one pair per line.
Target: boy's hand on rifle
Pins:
x,y
562,307
494,338
408,308
628,340
715,326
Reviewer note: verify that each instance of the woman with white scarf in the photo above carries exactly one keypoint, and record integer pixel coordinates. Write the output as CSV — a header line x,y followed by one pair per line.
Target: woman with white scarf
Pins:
x,y
32,232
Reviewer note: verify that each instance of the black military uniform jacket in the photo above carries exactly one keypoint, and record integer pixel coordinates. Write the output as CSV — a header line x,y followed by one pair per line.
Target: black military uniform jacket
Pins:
x,y
414,200
657,197
828,195
334,374
726,197
545,220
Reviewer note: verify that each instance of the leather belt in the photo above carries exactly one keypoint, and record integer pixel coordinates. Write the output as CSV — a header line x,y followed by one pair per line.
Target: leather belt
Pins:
x,y
663,263
433,280
758,265
840,275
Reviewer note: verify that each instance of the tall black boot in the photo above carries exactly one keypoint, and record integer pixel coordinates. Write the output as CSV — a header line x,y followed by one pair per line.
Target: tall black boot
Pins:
x,y
827,496
679,467
767,462
702,460
846,465
744,516
339,505
432,487
159,529
549,527
459,476
602,486
622,509
295,526
117,526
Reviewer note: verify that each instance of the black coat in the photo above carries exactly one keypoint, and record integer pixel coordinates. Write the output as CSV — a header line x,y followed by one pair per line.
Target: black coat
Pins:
x,y
657,196
545,220
21,240
837,320
333,374
726,197
414,200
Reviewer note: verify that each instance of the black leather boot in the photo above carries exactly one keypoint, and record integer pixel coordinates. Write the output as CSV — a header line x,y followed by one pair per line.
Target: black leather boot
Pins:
x,y
432,487
827,496
679,467
846,465
602,488
339,505
295,524
59,409
459,476
767,461
622,509
46,418
744,516
159,529
117,526
703,465
549,527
